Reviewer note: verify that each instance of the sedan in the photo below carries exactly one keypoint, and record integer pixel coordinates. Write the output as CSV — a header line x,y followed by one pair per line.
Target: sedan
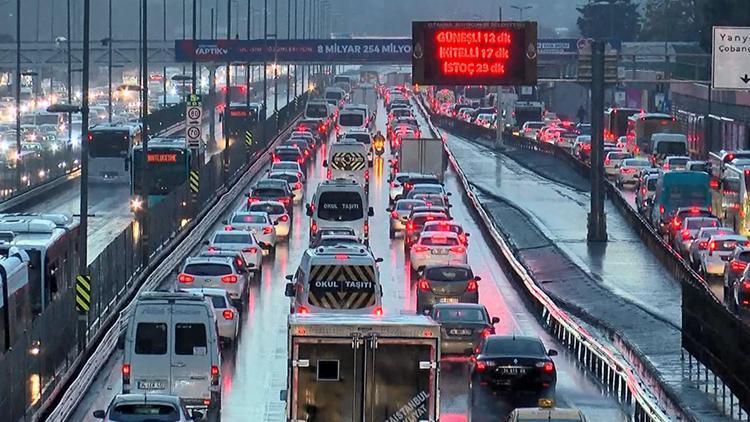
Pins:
x,y
613,160
447,226
437,248
720,249
690,228
739,293
226,316
513,363
673,163
276,210
629,171
417,219
294,181
138,407
239,240
446,284
288,166
462,326
699,246
259,224
735,270
400,214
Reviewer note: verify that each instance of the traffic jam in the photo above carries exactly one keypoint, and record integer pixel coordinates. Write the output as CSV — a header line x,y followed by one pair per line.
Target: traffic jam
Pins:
x,y
300,275
697,206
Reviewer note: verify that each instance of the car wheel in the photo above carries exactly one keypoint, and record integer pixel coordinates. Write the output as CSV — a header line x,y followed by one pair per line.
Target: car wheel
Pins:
x,y
272,253
391,233
259,275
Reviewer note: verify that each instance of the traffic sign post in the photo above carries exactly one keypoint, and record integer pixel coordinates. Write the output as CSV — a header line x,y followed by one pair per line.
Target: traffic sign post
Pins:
x,y
193,119
730,58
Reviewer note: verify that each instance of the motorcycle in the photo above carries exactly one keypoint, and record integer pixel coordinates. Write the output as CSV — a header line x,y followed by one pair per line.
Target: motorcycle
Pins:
x,y
379,146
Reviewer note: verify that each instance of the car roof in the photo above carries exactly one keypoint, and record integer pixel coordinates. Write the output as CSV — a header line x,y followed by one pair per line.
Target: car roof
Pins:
x,y
458,305
440,234
208,291
541,413
730,236
208,259
258,213
232,232
142,398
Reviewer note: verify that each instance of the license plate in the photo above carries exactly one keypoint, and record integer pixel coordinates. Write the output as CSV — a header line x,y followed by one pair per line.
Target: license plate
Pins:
x,y
448,300
459,332
512,371
151,385
440,251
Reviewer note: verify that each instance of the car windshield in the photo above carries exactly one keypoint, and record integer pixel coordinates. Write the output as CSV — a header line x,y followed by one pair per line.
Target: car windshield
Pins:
x,y
678,161
671,148
317,111
619,155
362,138
351,119
697,223
229,237
514,347
286,166
208,269
268,192
268,208
287,177
249,219
459,315
139,412
340,206
408,205
448,274
635,162
706,233
443,227
439,241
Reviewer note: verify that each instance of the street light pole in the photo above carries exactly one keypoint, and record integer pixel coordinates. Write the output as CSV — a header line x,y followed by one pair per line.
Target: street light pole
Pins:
x,y
265,61
289,37
144,121
164,68
18,94
275,58
70,81
296,22
195,70
304,36
247,66
109,67
227,97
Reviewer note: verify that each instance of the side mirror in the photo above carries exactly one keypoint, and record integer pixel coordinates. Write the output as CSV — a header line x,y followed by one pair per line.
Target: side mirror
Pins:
x,y
289,290
551,352
467,234
325,163
370,212
289,277
378,260
495,320
477,278
308,210
389,209
99,414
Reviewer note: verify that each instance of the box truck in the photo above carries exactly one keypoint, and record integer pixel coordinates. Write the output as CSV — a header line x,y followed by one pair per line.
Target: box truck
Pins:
x,y
422,155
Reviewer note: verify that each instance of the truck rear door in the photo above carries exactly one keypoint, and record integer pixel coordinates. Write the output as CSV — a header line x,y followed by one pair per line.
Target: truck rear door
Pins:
x,y
402,380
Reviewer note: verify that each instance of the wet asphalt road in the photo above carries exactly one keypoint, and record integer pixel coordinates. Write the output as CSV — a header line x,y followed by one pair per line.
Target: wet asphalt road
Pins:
x,y
255,372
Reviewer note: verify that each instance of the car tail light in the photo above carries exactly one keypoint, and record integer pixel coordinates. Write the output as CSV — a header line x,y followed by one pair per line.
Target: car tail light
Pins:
x,y
409,225
300,160
378,311
126,373
267,230
738,266
666,166
229,279
686,235
661,209
367,175
252,249
185,278
746,285
302,310
472,286
408,186
702,245
481,366
420,248
284,201
214,375
423,285
712,246
307,153
677,223
228,314
546,367
284,218
486,332
298,185
314,227
252,199
458,249
328,174
228,228
394,215
606,161
367,230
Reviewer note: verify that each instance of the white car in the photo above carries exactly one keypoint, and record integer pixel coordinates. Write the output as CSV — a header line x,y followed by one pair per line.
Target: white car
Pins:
x,y
629,171
239,240
672,163
141,406
227,317
718,252
396,187
613,160
443,248
277,212
288,166
257,222
529,130
215,272
295,183
399,213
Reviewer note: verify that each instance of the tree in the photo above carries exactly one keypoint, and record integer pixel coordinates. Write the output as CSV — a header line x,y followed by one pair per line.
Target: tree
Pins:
x,y
669,20
614,19
720,13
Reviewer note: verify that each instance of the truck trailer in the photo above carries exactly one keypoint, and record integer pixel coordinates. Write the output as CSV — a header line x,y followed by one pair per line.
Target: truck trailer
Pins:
x,y
422,155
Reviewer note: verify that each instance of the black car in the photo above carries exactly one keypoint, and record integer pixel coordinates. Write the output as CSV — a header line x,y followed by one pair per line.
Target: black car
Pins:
x,y
513,363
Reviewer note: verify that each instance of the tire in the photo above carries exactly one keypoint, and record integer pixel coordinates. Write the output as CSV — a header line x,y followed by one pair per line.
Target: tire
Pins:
x,y
391,233
259,276
272,252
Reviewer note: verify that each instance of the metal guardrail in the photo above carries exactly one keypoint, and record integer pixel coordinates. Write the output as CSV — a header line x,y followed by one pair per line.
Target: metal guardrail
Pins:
x,y
615,375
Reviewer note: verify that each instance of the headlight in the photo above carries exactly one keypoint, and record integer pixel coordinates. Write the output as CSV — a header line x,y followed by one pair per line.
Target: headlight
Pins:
x,y
136,204
54,147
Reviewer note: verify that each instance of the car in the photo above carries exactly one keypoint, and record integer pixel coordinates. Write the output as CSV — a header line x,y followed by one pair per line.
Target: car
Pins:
x,y
288,153
225,314
259,224
340,203
307,135
689,229
416,179
446,284
735,269
302,144
699,246
330,231
338,239
462,326
697,165
272,190
512,363
673,163
529,130
447,226
738,296
293,180
222,272
546,412
720,249
485,119
288,166
242,241
143,407
399,213
622,143
613,160
582,147
431,199
436,248
396,186
629,169
427,188
417,218
282,221
680,214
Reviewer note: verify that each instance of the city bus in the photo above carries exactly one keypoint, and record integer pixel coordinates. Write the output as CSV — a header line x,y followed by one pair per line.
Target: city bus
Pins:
x,y
731,200
241,117
167,167
109,152
616,122
641,126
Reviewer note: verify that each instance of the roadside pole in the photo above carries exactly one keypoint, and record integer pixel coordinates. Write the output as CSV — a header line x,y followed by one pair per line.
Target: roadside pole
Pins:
x,y
597,223
499,121
194,135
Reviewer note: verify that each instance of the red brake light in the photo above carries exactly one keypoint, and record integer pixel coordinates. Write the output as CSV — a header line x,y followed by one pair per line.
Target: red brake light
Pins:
x,y
284,218
686,235
342,257
420,248
458,249
409,225
298,185
284,201
378,311
252,249
423,285
738,266
394,215
712,246
229,279
481,366
661,209
252,199
677,223
300,160
694,210
746,285
702,245
267,230
472,286
126,370
303,310
228,228
228,314
606,161
548,367
185,278
214,375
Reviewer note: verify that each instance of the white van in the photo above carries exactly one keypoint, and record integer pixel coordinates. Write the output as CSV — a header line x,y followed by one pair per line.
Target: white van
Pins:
x,y
340,203
317,109
350,119
172,347
668,144
348,159
335,96
336,279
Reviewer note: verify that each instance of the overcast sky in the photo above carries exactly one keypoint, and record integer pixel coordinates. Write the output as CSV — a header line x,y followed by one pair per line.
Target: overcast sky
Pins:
x,y
46,19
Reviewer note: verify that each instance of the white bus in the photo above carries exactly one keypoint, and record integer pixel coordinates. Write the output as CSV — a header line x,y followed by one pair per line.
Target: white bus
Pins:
x,y
110,146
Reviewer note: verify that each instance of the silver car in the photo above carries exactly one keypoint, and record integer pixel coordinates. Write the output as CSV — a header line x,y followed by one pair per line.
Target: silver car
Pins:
x,y
277,212
257,222
239,240
227,317
399,214
219,272
141,407
629,169
699,245
690,227
294,181
720,249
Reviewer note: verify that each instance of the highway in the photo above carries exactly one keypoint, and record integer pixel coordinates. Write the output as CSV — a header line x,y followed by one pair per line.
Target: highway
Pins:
x,y
253,375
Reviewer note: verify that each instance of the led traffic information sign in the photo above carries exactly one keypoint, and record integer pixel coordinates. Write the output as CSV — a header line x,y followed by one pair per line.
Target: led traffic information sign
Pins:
x,y
161,157
474,53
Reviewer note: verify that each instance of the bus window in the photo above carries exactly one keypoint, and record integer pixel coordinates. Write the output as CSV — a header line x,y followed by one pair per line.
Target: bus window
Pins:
x,y
109,144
